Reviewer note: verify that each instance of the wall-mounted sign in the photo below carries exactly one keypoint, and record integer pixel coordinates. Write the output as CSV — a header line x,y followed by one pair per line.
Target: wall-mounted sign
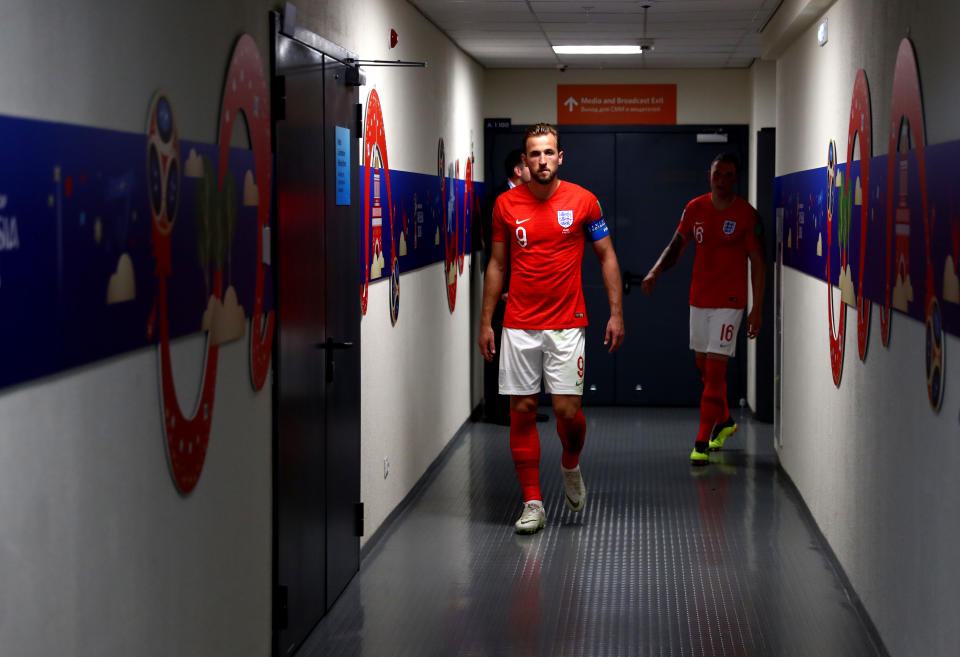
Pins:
x,y
616,104
343,165
497,124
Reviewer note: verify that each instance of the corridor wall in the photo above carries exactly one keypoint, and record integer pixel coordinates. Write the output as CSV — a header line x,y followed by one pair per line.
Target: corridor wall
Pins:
x,y
99,552
871,456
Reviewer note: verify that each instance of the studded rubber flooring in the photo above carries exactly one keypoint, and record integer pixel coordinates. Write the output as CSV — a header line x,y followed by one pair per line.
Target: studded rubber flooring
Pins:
x,y
666,559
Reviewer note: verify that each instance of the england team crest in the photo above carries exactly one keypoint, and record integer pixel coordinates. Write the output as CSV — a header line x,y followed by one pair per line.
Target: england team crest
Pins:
x,y
729,227
565,218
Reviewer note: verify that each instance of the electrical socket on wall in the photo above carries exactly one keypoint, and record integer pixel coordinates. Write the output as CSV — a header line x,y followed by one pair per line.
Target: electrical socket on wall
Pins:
x,y
386,467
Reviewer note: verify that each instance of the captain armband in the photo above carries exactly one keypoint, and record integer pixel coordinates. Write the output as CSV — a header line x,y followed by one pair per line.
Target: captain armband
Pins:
x,y
597,230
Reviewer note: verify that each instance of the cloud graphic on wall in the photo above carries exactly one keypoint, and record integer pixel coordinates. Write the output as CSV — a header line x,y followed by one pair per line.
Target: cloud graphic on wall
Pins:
x,y
122,286
251,196
376,267
436,238
951,284
847,292
819,244
902,293
194,166
225,320
857,193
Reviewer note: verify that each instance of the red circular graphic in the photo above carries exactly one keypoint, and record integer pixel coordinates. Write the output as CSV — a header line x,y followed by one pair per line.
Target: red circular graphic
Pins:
x,y
838,339
374,156
186,438
449,242
906,112
860,124
245,90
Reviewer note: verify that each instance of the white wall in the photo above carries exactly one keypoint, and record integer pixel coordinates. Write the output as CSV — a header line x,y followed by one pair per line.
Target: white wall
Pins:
x,y
873,462
99,555
416,375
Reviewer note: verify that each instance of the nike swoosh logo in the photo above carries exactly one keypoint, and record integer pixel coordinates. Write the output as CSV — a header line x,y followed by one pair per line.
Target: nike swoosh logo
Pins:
x,y
520,221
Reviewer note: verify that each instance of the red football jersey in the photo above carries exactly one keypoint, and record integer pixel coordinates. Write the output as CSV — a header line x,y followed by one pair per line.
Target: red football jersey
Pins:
x,y
546,252
722,238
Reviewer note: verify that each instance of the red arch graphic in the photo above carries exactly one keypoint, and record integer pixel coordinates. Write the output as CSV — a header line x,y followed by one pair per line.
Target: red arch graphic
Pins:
x,y
451,243
468,200
860,124
907,103
374,136
838,339
186,438
245,90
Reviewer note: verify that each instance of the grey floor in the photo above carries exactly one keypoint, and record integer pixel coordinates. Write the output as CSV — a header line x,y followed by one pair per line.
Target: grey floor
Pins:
x,y
666,559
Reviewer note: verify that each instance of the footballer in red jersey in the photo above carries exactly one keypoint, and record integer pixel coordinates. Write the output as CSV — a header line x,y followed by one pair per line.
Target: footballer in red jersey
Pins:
x,y
546,224
726,231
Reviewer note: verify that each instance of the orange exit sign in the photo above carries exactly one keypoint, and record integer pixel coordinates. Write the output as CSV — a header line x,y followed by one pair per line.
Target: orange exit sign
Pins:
x,y
619,104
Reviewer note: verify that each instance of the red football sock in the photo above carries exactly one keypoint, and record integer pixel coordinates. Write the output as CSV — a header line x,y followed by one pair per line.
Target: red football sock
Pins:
x,y
725,415
572,433
525,447
711,402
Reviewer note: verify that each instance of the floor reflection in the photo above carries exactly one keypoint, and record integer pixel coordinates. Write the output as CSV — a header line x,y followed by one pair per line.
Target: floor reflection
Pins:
x,y
664,560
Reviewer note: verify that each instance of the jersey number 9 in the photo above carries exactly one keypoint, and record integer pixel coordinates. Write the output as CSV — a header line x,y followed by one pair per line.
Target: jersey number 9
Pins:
x,y
521,236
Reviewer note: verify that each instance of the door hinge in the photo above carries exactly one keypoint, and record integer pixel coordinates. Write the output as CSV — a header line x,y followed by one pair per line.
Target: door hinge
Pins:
x,y
280,601
358,131
358,518
278,98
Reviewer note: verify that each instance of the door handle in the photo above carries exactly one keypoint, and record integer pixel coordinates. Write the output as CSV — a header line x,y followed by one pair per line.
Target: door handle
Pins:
x,y
329,346
629,280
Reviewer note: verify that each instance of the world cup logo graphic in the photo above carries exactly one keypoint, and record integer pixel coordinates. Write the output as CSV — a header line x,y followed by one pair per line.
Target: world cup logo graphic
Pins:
x,y
163,165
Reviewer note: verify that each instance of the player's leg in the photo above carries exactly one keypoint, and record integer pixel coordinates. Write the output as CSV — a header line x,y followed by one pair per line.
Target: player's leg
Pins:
x,y
563,368
724,327
520,372
709,398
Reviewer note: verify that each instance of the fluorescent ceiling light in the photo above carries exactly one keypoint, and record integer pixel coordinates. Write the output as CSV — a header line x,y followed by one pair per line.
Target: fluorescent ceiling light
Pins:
x,y
597,50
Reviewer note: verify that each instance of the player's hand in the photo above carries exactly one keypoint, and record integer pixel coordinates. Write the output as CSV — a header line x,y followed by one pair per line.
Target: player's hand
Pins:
x,y
487,343
754,320
648,282
615,333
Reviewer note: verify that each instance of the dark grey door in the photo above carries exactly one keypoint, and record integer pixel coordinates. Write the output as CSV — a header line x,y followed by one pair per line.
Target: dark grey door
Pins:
x,y
342,357
657,174
317,384
589,162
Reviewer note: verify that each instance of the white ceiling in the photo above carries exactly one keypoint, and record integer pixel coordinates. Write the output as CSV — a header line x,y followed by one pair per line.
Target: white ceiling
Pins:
x,y
685,33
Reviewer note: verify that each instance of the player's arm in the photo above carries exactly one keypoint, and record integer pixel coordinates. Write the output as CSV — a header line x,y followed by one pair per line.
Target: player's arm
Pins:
x,y
610,269
492,284
758,279
666,260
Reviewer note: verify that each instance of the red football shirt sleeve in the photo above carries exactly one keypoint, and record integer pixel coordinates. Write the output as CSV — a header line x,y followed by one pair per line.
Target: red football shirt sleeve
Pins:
x,y
685,227
755,233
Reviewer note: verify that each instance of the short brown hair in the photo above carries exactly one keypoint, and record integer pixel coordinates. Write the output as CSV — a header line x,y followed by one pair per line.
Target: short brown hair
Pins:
x,y
538,129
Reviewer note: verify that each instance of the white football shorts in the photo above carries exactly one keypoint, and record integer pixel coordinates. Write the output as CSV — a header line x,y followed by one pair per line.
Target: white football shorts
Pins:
x,y
714,330
557,354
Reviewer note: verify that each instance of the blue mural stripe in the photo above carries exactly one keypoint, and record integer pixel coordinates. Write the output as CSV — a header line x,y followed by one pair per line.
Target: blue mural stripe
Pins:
x,y
802,199
418,206
75,226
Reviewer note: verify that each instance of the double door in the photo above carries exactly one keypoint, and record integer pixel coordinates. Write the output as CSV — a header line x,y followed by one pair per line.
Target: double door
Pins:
x,y
317,369
643,177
